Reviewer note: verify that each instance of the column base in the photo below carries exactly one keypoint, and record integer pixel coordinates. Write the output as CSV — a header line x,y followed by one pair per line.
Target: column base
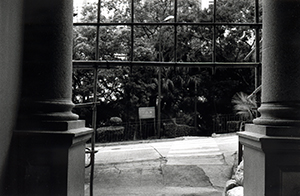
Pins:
x,y
48,162
49,125
279,114
271,161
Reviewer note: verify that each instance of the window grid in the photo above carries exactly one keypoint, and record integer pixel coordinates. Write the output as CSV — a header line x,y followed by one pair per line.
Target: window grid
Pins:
x,y
213,64
97,64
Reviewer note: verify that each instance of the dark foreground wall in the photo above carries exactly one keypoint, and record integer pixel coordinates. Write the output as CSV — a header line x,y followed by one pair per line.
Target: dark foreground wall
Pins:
x,y
10,54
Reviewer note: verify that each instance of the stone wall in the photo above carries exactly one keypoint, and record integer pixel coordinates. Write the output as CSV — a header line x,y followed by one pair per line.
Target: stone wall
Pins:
x,y
10,54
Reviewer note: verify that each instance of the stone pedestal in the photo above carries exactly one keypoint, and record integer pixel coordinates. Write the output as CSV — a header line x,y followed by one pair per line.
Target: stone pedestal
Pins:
x,y
272,163
48,162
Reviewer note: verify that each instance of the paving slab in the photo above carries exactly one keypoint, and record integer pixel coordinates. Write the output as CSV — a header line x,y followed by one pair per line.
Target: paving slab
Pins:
x,y
184,167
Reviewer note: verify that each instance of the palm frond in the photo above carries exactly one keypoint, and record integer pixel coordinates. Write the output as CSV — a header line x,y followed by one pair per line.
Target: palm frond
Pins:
x,y
244,106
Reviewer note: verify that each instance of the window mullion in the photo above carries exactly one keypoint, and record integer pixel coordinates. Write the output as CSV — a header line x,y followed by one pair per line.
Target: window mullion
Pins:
x,y
97,31
214,56
175,31
257,44
132,32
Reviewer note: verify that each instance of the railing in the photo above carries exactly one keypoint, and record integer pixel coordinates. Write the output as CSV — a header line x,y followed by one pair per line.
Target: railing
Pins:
x,y
226,123
136,130
128,131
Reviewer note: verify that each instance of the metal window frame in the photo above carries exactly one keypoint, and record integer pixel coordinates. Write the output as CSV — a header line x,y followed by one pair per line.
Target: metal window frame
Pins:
x,y
213,64
95,65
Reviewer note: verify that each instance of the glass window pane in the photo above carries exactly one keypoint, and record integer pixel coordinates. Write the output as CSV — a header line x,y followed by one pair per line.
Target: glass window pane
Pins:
x,y
166,43
146,43
114,42
82,85
84,40
235,44
235,11
194,11
111,84
153,11
154,43
260,10
116,11
85,11
194,43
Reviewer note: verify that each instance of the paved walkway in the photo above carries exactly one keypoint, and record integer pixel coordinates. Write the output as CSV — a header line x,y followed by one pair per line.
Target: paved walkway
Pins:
x,y
198,166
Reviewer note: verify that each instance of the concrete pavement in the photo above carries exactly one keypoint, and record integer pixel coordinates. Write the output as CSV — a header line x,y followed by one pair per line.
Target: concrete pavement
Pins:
x,y
177,167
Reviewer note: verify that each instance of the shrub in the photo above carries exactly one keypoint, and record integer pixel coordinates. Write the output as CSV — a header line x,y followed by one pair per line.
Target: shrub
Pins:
x,y
115,121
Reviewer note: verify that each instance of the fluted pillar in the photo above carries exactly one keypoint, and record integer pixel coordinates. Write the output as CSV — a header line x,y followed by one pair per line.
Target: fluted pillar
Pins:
x,y
271,144
48,145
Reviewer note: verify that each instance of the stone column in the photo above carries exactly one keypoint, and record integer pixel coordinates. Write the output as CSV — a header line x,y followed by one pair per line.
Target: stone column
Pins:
x,y
281,59
48,145
47,65
271,145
